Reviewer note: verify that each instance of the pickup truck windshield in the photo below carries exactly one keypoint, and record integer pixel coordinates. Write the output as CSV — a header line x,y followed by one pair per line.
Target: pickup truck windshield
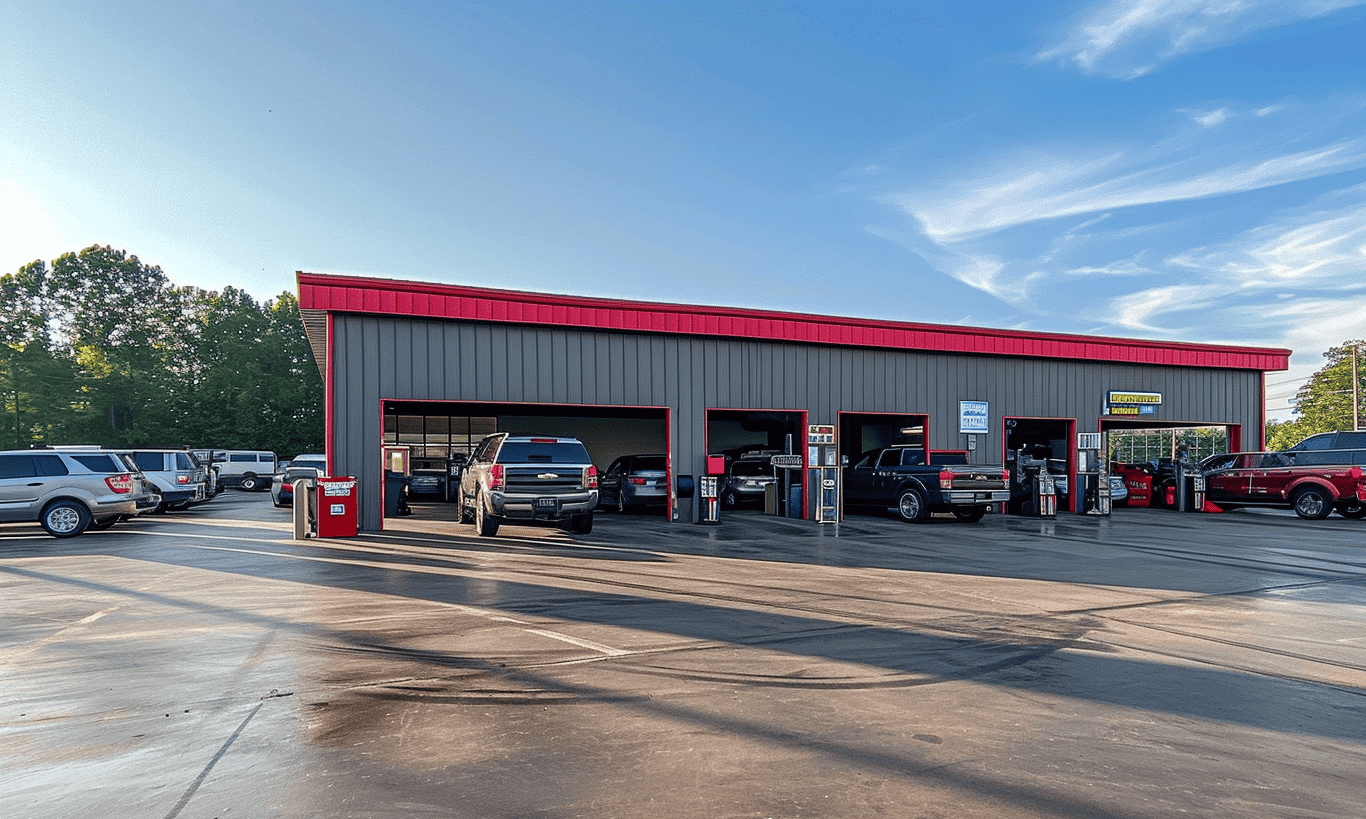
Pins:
x,y
536,452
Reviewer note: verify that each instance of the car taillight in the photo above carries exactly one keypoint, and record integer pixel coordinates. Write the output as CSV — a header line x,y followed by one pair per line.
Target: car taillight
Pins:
x,y
945,479
496,476
122,484
182,479
1356,473
590,478
637,481
1005,476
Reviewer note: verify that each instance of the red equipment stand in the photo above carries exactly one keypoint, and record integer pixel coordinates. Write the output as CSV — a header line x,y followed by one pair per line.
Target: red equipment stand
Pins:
x,y
337,507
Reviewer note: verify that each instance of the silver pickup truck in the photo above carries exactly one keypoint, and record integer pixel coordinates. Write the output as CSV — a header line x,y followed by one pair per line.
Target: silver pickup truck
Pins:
x,y
528,479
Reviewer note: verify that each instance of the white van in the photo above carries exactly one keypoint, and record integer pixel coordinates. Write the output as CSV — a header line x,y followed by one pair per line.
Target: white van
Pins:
x,y
245,469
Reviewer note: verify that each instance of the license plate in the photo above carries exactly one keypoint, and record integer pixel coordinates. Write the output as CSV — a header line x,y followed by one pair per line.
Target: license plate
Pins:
x,y
545,503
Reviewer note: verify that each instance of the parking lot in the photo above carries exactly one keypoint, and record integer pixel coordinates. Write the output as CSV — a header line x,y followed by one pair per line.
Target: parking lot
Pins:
x,y
1149,664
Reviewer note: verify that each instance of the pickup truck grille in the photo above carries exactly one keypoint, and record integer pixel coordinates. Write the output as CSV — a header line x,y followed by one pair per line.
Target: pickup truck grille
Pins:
x,y
552,480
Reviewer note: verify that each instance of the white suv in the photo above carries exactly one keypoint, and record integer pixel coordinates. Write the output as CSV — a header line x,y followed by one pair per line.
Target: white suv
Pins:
x,y
69,492
176,473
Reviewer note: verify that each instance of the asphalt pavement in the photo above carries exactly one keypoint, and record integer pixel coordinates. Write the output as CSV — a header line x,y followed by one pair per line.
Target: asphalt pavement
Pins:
x,y
1150,664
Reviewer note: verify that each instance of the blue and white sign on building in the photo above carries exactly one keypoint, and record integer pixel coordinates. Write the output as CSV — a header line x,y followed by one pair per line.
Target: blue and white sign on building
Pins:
x,y
973,417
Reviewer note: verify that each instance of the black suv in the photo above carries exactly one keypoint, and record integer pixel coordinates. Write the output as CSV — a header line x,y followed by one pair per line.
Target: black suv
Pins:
x,y
1330,449
526,479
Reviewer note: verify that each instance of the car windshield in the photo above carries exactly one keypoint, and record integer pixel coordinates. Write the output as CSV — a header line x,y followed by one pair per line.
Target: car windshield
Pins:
x,y
543,452
752,469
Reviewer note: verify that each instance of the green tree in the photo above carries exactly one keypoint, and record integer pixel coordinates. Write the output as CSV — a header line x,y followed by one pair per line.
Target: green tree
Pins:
x,y
36,375
1324,403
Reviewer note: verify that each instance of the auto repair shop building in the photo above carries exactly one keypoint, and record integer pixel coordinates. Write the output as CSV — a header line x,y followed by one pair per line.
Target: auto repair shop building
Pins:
x,y
435,367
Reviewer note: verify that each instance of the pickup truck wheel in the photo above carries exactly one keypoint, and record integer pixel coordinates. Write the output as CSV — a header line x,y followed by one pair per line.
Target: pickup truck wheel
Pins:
x,y
911,506
581,524
484,525
1312,503
1353,509
249,482
969,514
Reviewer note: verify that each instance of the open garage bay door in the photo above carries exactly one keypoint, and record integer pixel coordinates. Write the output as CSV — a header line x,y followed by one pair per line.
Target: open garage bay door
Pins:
x,y
442,433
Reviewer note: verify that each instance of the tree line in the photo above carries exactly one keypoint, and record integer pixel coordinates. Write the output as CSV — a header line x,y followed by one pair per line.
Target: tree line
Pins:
x,y
100,348
1324,403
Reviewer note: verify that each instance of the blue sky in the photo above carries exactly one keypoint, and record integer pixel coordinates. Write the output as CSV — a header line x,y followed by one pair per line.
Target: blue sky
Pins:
x,y
1150,168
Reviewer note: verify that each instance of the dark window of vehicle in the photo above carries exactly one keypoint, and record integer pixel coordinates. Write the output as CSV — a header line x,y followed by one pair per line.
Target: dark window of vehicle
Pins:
x,y
752,469
646,464
1351,440
866,462
16,466
99,463
1320,441
891,457
912,457
184,460
49,465
1327,457
236,458
538,452
149,461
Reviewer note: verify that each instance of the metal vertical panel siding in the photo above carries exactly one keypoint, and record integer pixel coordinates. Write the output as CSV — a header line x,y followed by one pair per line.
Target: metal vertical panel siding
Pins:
x,y
376,358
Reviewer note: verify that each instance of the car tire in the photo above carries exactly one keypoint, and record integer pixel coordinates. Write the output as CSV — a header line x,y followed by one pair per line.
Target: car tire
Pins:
x,y
65,518
103,523
485,525
466,513
581,524
249,483
1353,510
969,514
1312,503
911,506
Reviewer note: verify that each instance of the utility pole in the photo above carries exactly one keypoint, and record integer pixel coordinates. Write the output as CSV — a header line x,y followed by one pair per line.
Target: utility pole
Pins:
x,y
1356,413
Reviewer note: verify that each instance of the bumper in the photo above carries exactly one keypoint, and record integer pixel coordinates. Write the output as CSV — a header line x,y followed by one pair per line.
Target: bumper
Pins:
x,y
541,507
121,505
965,497
646,494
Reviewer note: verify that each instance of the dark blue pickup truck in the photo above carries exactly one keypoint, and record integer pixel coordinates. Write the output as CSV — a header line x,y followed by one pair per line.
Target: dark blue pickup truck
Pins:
x,y
899,478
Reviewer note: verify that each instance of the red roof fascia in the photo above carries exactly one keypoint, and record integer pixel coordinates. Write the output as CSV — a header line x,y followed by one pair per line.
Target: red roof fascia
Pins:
x,y
356,294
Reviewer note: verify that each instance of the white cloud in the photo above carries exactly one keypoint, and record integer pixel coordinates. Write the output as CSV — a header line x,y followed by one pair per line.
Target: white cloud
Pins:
x,y
1129,38
1213,118
1140,311
1058,186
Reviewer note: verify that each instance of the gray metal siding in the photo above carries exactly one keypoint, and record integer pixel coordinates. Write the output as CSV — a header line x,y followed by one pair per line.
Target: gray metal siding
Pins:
x,y
378,357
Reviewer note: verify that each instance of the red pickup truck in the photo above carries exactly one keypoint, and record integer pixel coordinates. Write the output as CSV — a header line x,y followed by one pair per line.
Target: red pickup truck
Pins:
x,y
1275,479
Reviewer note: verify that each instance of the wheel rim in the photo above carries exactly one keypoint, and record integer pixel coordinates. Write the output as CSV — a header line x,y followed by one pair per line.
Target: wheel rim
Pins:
x,y
63,519
1310,503
909,505
248,484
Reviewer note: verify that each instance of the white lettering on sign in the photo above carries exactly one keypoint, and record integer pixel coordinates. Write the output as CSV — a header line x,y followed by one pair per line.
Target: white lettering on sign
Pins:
x,y
338,489
786,461
973,416
337,509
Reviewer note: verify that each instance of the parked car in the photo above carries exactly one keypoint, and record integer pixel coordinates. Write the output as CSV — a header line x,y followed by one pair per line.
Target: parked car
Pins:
x,y
309,466
177,474
1276,479
429,476
1330,449
248,470
1119,490
536,480
282,483
746,480
69,492
632,481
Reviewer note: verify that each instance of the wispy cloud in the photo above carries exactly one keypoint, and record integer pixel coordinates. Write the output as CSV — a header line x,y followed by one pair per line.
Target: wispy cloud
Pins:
x,y
1127,39
1058,186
